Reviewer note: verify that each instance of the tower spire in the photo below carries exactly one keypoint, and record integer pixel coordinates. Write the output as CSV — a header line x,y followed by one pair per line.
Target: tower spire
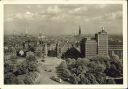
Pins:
x,y
79,30
102,28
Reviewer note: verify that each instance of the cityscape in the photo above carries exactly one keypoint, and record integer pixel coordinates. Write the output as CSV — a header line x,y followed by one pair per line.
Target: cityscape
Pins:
x,y
65,57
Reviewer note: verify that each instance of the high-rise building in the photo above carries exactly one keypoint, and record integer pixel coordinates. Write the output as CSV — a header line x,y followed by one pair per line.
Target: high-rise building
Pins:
x,y
90,48
102,42
95,46
82,47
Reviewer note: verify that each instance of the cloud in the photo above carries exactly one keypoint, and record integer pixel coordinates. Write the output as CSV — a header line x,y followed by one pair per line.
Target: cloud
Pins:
x,y
117,15
76,10
102,6
53,9
9,19
19,16
28,15
80,11
107,17
113,16
63,17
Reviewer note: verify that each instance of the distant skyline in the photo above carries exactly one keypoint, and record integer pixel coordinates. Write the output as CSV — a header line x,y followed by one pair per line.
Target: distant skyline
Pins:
x,y
60,19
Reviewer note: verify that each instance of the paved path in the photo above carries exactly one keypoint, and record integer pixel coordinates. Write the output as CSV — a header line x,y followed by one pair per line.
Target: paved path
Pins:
x,y
48,69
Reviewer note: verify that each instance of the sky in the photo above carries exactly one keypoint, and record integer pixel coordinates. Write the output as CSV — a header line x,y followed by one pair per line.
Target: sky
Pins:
x,y
59,19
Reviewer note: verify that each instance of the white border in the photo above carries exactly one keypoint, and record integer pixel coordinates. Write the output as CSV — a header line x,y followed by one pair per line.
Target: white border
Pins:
x,y
1,43
64,2
124,3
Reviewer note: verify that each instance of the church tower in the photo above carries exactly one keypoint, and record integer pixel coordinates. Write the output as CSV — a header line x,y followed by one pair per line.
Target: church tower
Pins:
x,y
79,30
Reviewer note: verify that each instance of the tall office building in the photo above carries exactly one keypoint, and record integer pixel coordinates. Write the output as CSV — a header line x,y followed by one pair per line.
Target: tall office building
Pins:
x,y
95,46
102,42
82,47
90,48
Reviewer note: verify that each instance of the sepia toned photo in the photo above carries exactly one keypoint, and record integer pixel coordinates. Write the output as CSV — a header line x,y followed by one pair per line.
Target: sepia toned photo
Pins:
x,y
63,44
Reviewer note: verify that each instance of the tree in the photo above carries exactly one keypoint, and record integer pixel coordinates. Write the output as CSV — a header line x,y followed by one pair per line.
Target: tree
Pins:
x,y
73,79
84,79
9,78
71,63
82,61
30,56
89,71
63,65
116,67
66,74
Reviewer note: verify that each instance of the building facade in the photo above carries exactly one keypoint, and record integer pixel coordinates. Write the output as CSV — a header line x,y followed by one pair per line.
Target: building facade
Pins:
x,y
95,46
117,49
102,43
90,48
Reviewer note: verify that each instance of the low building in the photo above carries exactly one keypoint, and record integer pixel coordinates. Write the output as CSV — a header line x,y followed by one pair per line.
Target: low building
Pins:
x,y
117,49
